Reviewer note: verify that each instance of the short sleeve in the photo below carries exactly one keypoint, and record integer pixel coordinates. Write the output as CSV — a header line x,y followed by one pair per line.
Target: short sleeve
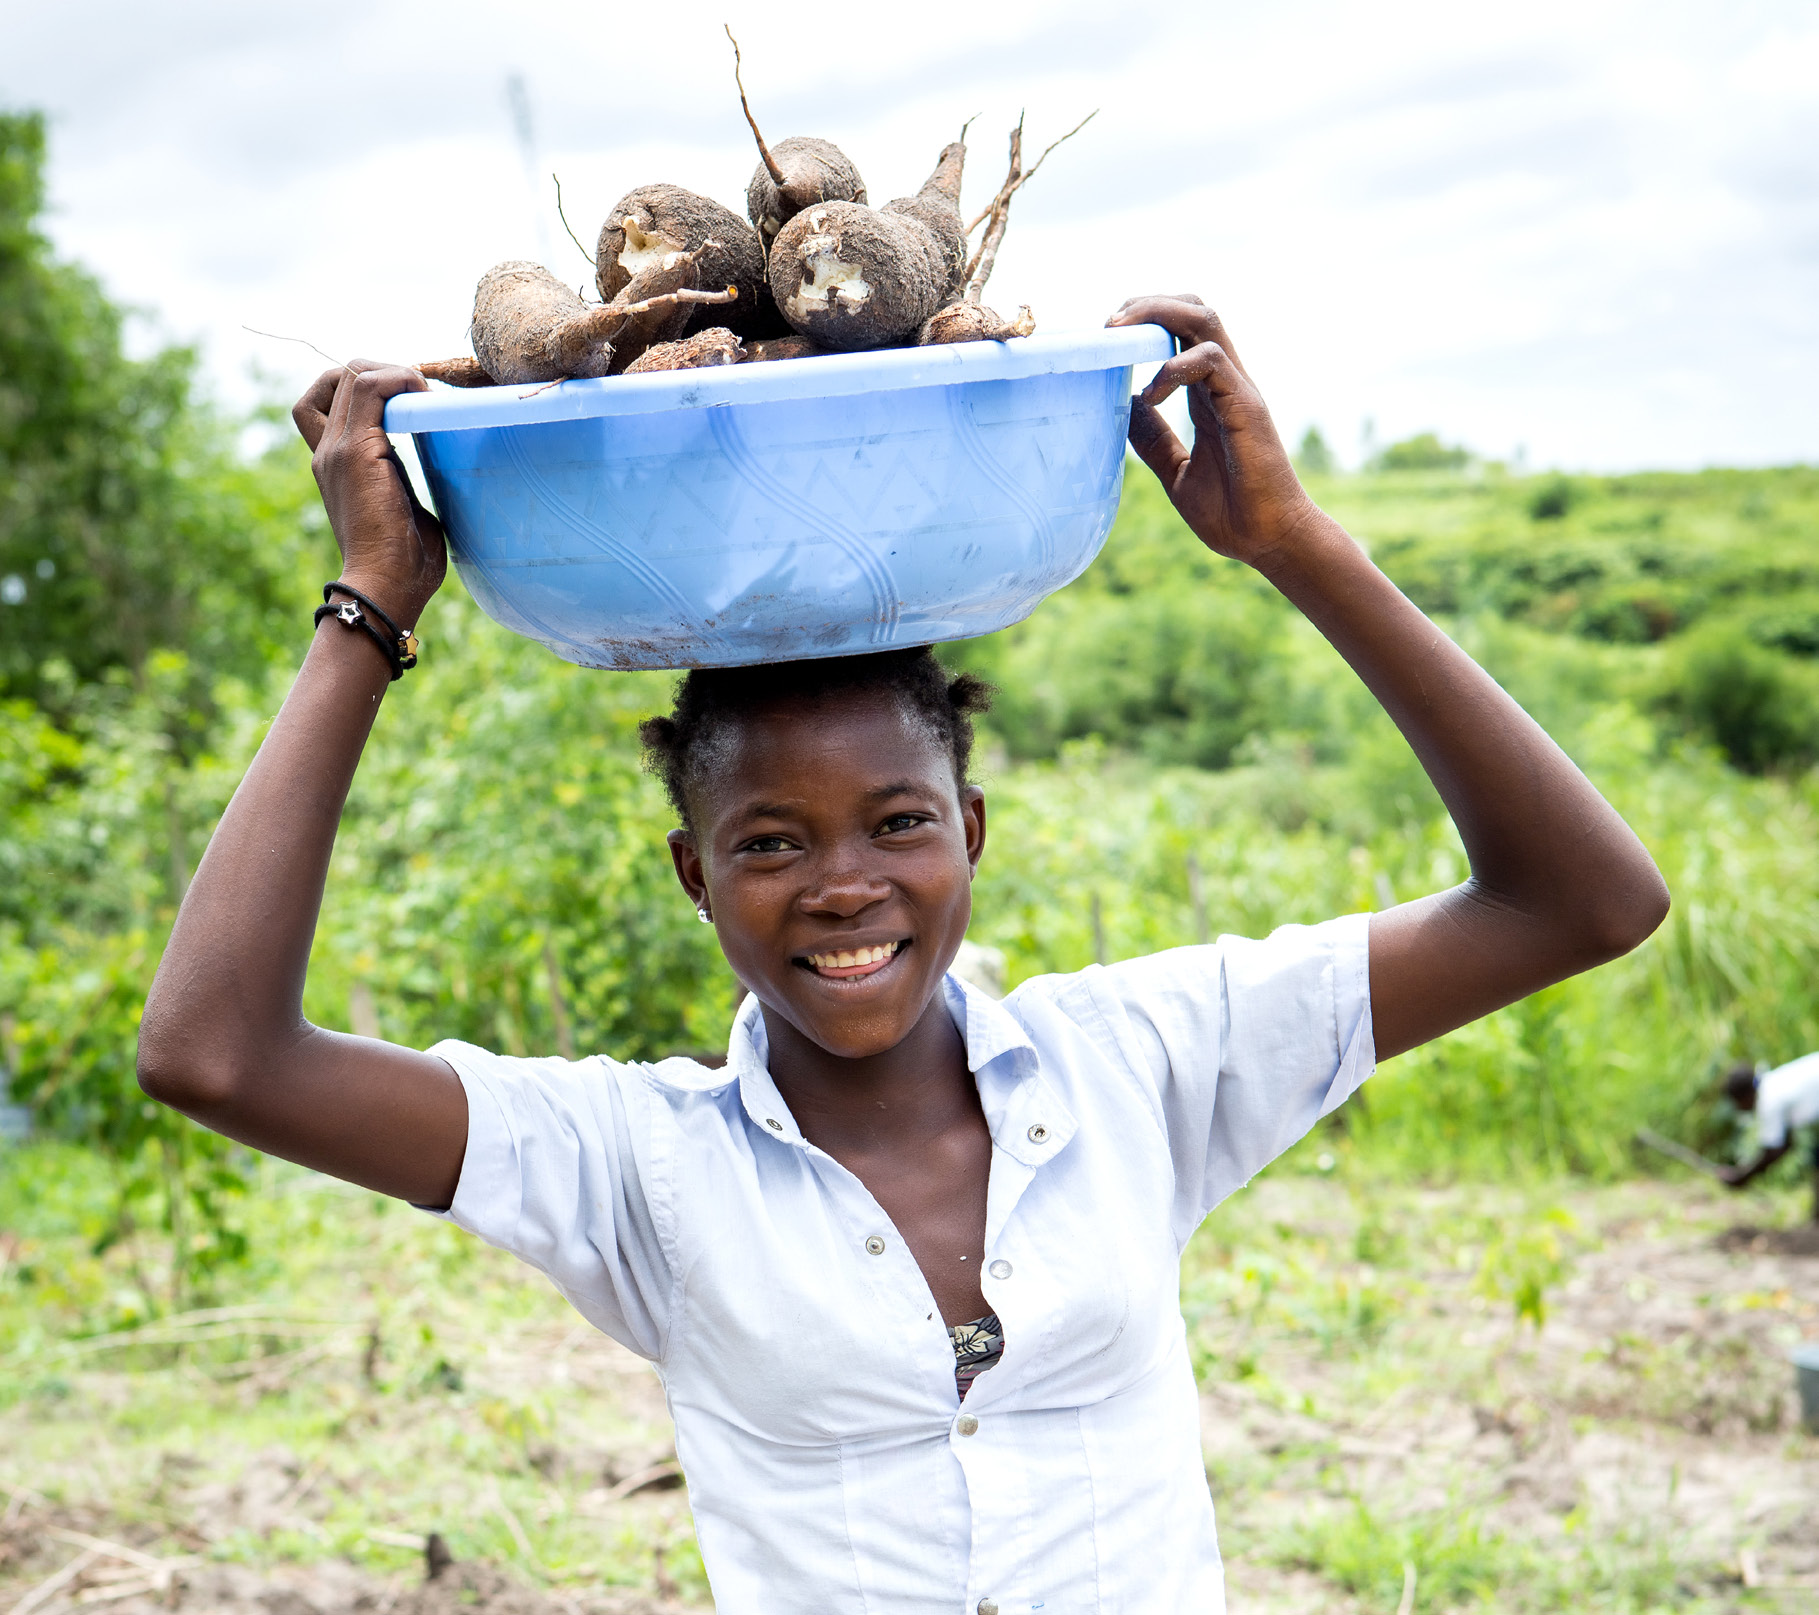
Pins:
x,y
1245,1046
556,1172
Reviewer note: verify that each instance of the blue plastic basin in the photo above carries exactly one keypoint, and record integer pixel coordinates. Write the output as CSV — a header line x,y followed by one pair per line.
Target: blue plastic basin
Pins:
x,y
804,507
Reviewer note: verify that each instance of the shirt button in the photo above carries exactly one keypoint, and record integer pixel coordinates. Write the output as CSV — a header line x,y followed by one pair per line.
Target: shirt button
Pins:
x,y
875,1245
772,1122
966,1424
988,1606
1000,1269
1038,1134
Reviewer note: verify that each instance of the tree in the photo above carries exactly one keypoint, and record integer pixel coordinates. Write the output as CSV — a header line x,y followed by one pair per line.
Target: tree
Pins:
x,y
1314,458
127,525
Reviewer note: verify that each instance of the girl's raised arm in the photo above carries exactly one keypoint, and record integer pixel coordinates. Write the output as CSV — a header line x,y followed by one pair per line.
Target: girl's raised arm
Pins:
x,y
224,1038
1559,882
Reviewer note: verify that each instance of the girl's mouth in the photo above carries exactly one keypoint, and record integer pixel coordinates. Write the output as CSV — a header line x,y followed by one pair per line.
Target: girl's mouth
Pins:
x,y
848,964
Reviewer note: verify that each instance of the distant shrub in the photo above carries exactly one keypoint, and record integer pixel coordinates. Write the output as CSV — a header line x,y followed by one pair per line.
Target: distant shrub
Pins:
x,y
1423,452
1759,707
1552,500
1789,624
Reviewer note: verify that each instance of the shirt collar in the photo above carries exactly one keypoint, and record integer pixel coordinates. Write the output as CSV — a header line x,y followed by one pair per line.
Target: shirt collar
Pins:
x,y
1026,1117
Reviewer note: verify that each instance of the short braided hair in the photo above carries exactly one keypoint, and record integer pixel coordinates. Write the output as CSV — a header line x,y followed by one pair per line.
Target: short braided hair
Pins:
x,y
684,748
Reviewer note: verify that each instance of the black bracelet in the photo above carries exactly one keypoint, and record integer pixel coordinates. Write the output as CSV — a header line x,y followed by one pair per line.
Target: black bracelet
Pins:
x,y
398,648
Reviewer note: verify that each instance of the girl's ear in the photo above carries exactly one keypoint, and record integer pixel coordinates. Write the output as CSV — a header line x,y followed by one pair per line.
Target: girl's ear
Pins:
x,y
972,813
687,861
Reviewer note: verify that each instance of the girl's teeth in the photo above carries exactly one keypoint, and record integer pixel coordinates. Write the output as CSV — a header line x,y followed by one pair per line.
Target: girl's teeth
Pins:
x,y
844,960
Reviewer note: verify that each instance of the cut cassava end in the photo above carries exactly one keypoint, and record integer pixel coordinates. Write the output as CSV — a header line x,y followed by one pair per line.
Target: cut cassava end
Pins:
x,y
649,226
456,372
855,277
795,174
714,346
528,326
973,322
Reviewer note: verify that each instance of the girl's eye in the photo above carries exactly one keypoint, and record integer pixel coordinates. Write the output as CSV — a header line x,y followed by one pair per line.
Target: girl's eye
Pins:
x,y
901,821
767,844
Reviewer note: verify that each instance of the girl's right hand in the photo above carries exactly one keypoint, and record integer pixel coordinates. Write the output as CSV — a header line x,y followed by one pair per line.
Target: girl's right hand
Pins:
x,y
392,548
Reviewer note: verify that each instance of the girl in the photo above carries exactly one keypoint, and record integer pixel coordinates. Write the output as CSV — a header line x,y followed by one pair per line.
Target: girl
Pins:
x,y
908,1264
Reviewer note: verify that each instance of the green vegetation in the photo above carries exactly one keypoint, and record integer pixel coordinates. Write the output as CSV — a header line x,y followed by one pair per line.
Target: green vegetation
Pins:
x,y
1174,754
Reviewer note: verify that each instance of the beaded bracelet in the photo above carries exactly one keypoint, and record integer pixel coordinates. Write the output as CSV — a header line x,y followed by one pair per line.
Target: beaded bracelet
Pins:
x,y
399,648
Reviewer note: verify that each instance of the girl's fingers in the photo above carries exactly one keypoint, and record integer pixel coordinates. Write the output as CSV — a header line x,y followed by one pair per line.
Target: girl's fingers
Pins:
x,y
310,413
1208,363
1156,445
1191,321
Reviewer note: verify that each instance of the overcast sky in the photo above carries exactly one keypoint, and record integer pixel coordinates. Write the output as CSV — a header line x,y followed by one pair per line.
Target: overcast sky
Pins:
x,y
1588,230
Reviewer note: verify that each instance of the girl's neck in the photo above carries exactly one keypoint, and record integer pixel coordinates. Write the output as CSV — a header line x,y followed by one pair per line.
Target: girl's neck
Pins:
x,y
919,1088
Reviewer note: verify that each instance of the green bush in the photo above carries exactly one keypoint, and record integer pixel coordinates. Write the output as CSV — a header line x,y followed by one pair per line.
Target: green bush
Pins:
x,y
1757,706
1423,452
1552,499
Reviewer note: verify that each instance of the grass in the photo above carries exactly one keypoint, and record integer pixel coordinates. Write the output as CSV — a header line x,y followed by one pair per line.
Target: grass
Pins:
x,y
1388,1373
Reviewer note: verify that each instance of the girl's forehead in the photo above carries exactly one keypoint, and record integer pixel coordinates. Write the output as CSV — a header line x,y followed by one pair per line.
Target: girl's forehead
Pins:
x,y
825,749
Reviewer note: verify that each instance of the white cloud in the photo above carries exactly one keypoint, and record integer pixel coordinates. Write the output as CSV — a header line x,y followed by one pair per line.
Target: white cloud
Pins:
x,y
1589,228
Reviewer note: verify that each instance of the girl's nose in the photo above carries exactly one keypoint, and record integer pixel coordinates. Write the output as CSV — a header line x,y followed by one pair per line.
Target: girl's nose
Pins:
x,y
844,892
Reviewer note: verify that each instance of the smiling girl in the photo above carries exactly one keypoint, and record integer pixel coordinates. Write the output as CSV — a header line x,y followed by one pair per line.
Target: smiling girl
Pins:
x,y
908,1264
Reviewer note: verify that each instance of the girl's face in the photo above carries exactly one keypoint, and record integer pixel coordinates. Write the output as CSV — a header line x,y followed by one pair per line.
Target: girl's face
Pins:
x,y
836,854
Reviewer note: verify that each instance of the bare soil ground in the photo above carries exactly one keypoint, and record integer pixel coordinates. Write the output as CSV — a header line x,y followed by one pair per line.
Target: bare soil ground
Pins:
x,y
1379,1421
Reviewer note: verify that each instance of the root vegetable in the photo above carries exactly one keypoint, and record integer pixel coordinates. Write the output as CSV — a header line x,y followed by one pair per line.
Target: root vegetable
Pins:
x,y
528,326
856,277
715,346
783,347
651,225
794,174
973,322
798,173
456,372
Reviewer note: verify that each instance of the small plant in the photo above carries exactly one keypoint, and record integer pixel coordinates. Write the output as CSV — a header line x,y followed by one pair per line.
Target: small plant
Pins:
x,y
1521,1266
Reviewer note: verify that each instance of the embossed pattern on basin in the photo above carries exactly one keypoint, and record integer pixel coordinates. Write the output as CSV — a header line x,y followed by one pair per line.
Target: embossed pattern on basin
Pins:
x,y
809,507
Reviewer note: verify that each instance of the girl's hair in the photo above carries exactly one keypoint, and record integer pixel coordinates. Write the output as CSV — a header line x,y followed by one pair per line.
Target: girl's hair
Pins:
x,y
685,748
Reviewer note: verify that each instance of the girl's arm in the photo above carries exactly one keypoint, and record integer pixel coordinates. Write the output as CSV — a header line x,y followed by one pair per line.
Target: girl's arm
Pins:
x,y
224,1038
1559,882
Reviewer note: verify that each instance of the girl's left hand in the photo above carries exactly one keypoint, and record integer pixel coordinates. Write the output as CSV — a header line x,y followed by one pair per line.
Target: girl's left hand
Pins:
x,y
1235,488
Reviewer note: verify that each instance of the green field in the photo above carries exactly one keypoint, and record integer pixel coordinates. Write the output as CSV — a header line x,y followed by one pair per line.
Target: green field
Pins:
x,y
1174,754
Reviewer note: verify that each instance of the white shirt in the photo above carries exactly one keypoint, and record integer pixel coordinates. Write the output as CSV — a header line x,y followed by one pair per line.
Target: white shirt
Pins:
x,y
1786,1098
830,1464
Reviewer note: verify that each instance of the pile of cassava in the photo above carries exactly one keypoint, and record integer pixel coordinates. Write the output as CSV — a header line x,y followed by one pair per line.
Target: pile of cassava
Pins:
x,y
685,282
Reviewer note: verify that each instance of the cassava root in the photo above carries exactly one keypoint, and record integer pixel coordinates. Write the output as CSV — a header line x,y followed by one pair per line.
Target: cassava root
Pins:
x,y
528,326
714,346
648,227
796,173
856,277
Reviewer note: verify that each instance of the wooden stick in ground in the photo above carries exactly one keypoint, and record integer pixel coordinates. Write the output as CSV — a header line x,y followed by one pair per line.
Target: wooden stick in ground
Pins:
x,y
764,151
54,1583
1678,1151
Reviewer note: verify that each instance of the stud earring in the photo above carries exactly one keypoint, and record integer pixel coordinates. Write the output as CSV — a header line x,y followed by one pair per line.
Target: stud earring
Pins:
x,y
703,916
